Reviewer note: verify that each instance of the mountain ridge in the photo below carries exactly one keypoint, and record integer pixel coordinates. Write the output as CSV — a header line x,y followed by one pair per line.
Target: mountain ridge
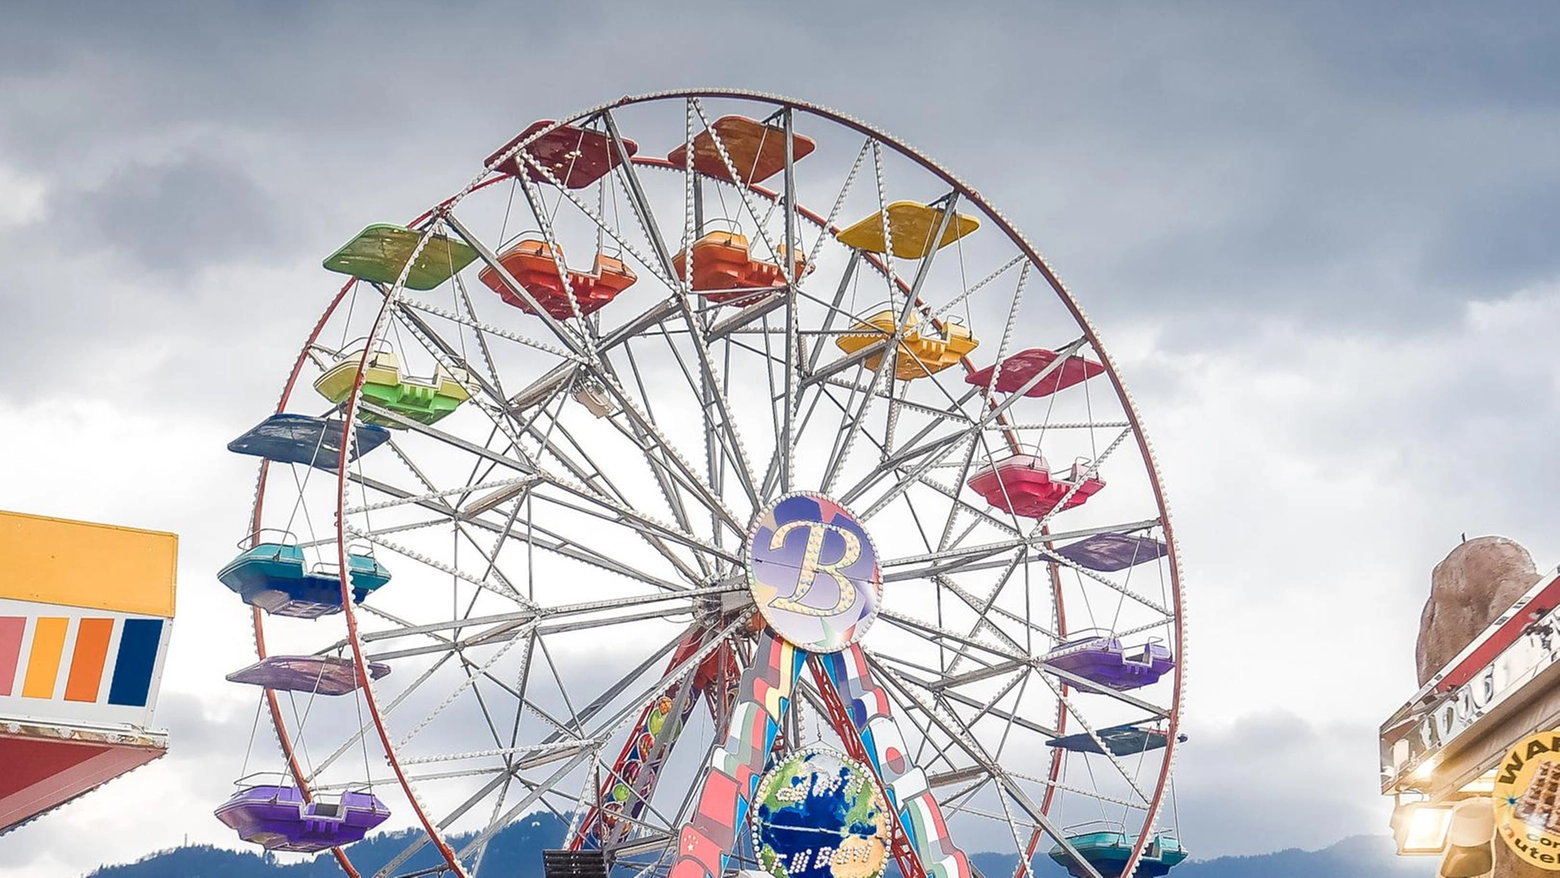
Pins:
x,y
520,844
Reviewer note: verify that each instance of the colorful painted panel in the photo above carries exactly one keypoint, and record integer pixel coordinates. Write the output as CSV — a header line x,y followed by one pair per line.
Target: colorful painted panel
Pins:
x,y
11,630
86,663
43,660
764,695
78,665
869,710
137,656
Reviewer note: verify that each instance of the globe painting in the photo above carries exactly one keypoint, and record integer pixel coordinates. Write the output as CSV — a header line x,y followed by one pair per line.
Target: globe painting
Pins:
x,y
819,815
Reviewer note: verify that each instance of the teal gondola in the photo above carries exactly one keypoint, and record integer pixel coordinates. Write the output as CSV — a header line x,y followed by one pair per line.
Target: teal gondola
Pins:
x,y
274,577
1108,851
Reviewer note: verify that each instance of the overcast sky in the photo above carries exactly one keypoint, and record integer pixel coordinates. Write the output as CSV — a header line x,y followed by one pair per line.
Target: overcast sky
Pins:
x,y
1320,237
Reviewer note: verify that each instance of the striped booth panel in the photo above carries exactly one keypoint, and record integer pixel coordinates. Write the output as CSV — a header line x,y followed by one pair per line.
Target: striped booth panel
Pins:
x,y
81,665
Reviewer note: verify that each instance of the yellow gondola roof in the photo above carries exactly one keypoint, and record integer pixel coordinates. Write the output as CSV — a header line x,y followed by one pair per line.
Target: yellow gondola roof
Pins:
x,y
912,225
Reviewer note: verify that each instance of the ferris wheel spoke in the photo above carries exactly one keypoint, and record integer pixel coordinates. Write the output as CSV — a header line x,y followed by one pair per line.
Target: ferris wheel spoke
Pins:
x,y
469,320
1011,659
614,498
438,499
672,470
783,427
481,331
622,513
1144,799
669,452
576,344
662,469
933,451
972,289
366,729
558,545
970,601
972,747
1006,716
937,561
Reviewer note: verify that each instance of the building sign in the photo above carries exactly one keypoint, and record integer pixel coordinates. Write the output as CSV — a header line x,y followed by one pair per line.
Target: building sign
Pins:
x,y
1512,652
1527,799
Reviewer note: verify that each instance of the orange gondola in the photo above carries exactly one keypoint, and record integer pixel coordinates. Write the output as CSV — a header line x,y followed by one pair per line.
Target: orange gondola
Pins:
x,y
756,150
530,262
725,271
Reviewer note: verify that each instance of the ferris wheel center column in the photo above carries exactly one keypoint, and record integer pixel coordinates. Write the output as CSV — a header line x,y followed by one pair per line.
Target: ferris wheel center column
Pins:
x,y
814,575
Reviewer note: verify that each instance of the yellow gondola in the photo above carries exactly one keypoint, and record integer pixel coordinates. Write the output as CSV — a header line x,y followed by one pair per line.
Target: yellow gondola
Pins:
x,y
912,226
920,353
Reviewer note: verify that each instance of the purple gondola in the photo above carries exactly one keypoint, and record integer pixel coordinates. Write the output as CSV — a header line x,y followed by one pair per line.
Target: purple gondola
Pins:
x,y
1103,660
1112,552
323,675
278,819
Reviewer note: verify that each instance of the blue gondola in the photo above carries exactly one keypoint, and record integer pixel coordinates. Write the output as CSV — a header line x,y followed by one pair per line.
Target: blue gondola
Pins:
x,y
275,578
1124,740
305,439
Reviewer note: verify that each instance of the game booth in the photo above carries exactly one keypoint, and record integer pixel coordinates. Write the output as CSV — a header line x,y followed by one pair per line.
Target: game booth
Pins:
x,y
1472,760
85,615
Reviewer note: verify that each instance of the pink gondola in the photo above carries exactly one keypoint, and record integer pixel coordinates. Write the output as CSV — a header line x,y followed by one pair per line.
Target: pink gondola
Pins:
x,y
1023,484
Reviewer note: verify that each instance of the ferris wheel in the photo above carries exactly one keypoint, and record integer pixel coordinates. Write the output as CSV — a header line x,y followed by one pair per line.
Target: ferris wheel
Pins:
x,y
705,440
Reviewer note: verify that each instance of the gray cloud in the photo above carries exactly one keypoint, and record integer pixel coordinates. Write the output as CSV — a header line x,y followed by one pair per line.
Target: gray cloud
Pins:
x,y
1277,780
169,218
1283,213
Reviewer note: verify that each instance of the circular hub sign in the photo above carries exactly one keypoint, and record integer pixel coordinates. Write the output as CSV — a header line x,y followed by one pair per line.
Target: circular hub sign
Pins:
x,y
814,572
818,814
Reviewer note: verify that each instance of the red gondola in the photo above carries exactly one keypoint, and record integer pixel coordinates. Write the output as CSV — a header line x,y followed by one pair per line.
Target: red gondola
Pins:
x,y
576,157
1018,369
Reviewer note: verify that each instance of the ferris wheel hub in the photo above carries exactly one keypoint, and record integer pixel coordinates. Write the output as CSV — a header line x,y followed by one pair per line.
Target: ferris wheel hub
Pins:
x,y
813,572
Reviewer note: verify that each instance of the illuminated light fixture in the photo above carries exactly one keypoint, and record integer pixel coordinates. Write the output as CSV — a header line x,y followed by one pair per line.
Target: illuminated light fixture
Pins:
x,y
1469,840
1480,786
1420,828
1424,770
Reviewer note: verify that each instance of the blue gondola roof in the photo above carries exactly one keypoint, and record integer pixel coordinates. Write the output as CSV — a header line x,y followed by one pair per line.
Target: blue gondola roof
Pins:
x,y
1122,740
287,438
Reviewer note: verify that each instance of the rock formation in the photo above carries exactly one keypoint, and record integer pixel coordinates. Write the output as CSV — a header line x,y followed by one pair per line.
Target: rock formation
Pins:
x,y
1468,590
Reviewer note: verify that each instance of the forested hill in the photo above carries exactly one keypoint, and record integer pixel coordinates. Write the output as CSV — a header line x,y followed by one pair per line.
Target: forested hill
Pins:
x,y
519,848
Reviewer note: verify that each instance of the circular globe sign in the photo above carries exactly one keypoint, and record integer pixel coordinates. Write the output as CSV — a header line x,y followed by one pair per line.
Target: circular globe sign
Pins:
x,y
818,814
813,572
